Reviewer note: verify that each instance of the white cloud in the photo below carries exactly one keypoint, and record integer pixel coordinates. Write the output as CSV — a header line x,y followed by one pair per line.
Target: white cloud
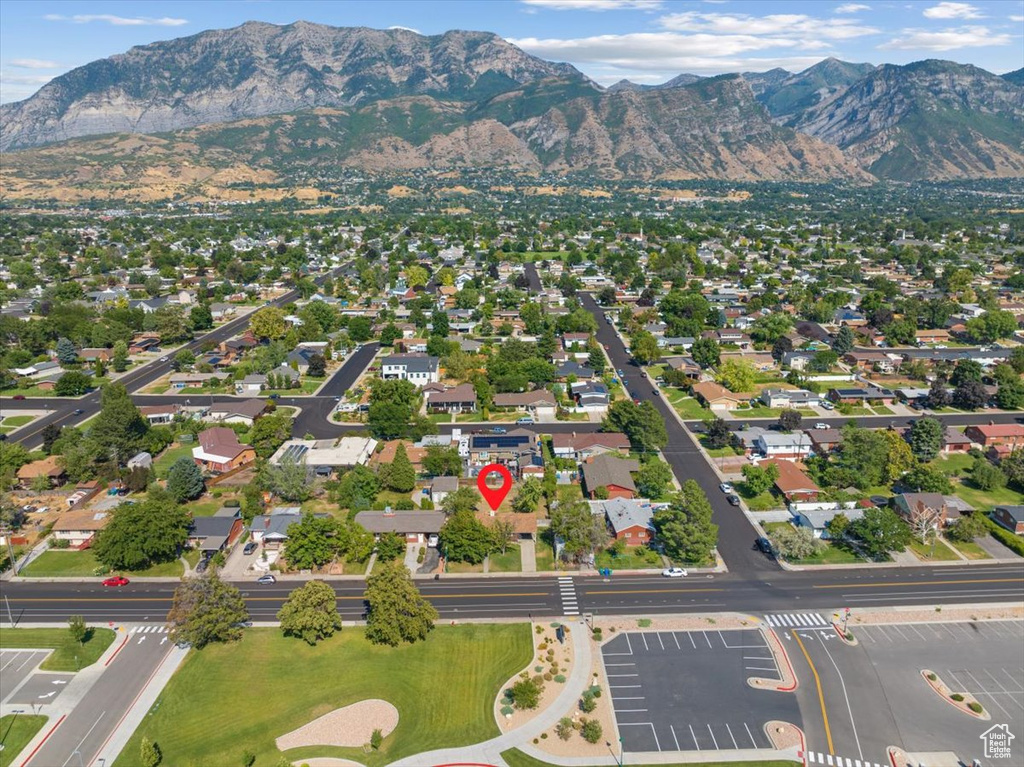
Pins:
x,y
596,5
946,10
117,21
9,79
789,25
852,8
945,40
33,64
1018,19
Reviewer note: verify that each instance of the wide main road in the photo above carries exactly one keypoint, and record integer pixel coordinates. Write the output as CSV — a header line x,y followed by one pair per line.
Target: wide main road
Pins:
x,y
526,597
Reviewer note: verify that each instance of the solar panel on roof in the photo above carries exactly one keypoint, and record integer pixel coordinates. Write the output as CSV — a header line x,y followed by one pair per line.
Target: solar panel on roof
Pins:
x,y
294,452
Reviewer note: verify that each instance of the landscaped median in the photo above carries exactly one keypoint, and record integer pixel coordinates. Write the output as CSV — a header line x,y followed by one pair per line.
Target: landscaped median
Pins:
x,y
227,699
67,655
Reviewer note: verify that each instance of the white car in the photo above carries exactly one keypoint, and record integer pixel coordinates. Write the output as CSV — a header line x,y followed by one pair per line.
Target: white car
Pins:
x,y
826,405
725,487
821,425
674,572
164,359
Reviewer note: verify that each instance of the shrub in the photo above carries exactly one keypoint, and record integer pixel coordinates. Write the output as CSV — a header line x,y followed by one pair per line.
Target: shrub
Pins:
x,y
538,629
60,543
975,707
543,645
594,690
596,636
538,669
587,703
525,693
543,736
591,731
248,758
932,677
644,623
560,678
564,728
507,710
376,739
957,697
548,676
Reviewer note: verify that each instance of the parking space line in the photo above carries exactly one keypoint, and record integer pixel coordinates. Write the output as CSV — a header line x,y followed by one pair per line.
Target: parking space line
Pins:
x,y
643,636
673,729
629,697
624,686
758,668
706,638
883,632
713,738
1011,693
694,736
659,640
994,700
729,730
911,627
750,735
690,635
629,644
897,630
619,664
656,741
614,676
674,639
631,711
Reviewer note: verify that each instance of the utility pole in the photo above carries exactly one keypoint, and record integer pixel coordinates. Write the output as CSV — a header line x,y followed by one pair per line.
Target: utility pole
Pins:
x,y
10,617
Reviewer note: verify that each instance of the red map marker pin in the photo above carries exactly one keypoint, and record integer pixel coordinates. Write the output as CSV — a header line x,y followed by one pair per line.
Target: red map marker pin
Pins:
x,y
494,495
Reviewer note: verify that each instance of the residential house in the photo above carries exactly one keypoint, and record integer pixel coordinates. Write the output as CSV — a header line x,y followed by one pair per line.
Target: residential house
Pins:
x,y
457,399
324,456
793,483
817,516
524,526
272,529
141,460
869,360
1010,517
581,447
48,468
144,342
91,355
79,527
386,454
217,533
686,364
853,396
519,449
191,380
441,487
157,414
1009,435
612,473
630,520
788,447
789,398
591,396
717,396
538,402
221,311
421,369
824,440
251,385
219,451
415,526
575,369
245,412
945,508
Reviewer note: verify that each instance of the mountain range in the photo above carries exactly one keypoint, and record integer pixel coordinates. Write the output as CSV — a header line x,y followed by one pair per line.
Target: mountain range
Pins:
x,y
267,100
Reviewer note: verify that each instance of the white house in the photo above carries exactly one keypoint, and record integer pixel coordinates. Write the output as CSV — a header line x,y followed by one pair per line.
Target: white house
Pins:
x,y
420,369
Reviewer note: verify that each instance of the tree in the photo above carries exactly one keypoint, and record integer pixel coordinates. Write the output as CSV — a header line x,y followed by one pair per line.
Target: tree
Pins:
x,y
790,419
439,324
862,456
1011,395
924,521
844,341
77,629
388,420
269,433
642,424
503,532
718,434
401,476
579,529
968,527
206,610
685,528
290,479
140,534
360,329
529,496
185,358
396,611
201,317
760,479
269,322
970,395
794,542
1017,359
769,328
880,531
317,366
838,526
67,355
149,753
310,613
926,438
782,346
465,538
72,384
986,476
311,543
899,459
390,546
357,489
938,395
644,348
119,360
606,296
652,479
823,361
966,370
706,352
925,479
389,334
185,480
442,461
736,375
991,326
525,693
119,429
51,433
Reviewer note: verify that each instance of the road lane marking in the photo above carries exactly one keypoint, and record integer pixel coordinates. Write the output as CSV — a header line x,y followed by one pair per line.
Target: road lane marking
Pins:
x,y
84,737
879,585
821,695
649,591
849,708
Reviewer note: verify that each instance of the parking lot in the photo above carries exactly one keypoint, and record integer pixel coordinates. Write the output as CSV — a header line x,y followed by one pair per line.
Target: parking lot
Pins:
x,y
688,691
41,688
15,665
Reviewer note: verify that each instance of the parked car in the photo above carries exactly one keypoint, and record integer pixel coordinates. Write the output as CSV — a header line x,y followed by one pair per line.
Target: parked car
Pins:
x,y
524,419
820,425
734,500
266,579
499,430
432,540
275,397
202,564
764,545
725,487
881,501
249,548
674,572
18,397
827,405
116,580
164,359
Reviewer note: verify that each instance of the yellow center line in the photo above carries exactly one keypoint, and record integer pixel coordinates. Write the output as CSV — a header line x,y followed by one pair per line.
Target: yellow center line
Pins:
x,y
821,697
279,598
651,591
915,583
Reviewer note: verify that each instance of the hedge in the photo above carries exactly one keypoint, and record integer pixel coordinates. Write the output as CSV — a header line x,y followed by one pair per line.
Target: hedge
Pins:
x,y
1013,542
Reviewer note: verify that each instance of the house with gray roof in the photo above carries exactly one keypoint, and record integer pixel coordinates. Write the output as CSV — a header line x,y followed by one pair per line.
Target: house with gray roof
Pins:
x,y
629,519
414,526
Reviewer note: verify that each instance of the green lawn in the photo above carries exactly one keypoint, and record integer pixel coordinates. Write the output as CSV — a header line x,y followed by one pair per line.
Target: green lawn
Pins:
x,y
30,391
77,564
307,386
881,410
516,758
206,507
688,408
986,500
443,688
545,555
633,558
16,730
970,549
463,567
65,649
509,562
14,421
163,463
954,464
763,502
928,553
827,554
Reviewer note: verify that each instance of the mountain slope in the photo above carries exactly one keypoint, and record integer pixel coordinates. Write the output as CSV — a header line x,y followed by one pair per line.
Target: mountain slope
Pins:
x,y
787,98
258,69
927,120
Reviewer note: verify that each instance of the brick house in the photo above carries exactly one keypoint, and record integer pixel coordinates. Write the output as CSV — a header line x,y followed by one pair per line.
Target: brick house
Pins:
x,y
1010,517
793,483
629,520
219,451
1010,435
612,473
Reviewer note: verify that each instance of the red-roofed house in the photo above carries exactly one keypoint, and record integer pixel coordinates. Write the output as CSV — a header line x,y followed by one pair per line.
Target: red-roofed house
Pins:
x,y
793,483
997,434
220,451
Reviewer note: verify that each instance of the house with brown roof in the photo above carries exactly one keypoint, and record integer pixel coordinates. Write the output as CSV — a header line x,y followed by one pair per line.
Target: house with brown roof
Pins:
x,y
219,451
612,473
245,412
716,395
79,527
49,468
533,401
386,455
580,447
457,399
414,526
997,434
824,440
524,525
793,483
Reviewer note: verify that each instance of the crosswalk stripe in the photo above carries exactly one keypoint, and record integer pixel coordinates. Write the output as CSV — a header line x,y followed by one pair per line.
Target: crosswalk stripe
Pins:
x,y
857,762
771,620
810,757
828,759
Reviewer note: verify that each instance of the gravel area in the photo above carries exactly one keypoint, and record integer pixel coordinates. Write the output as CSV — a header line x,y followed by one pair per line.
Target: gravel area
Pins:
x,y
349,726
868,616
576,746
564,657
696,622
783,735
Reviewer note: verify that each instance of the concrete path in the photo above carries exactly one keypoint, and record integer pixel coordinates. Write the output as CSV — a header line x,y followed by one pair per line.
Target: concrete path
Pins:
x,y
528,555
412,550
489,751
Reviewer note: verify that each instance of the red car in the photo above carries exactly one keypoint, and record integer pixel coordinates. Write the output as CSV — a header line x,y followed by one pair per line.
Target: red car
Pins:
x,y
116,580
18,397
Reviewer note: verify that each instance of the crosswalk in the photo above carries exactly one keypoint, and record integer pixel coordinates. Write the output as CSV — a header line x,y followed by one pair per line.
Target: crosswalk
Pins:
x,y
827,760
796,620
568,591
148,630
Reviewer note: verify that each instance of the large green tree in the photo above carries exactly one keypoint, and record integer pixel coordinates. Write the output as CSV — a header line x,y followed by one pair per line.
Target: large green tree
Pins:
x,y
465,538
185,480
310,613
268,322
141,534
119,429
396,611
642,424
400,475
206,610
312,542
269,433
685,528
579,529
880,531
925,438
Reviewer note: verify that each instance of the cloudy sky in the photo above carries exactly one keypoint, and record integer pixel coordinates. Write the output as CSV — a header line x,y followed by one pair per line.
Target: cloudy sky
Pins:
x,y
647,41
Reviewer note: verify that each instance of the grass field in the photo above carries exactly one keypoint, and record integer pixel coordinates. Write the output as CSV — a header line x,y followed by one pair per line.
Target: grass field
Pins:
x,y
763,502
928,553
163,463
509,562
65,649
545,555
516,758
633,558
443,688
953,464
688,408
986,500
16,730
971,550
827,554
70,564
14,421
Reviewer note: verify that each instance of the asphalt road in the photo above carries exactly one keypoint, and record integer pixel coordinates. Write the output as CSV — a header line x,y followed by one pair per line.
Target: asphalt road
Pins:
x,y
482,597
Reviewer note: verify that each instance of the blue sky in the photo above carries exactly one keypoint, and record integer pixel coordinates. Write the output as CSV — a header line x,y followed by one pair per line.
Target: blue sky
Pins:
x,y
647,41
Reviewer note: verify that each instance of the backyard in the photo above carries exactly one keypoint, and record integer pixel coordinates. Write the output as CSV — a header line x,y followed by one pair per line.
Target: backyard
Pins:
x,y
827,554
67,655
193,726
